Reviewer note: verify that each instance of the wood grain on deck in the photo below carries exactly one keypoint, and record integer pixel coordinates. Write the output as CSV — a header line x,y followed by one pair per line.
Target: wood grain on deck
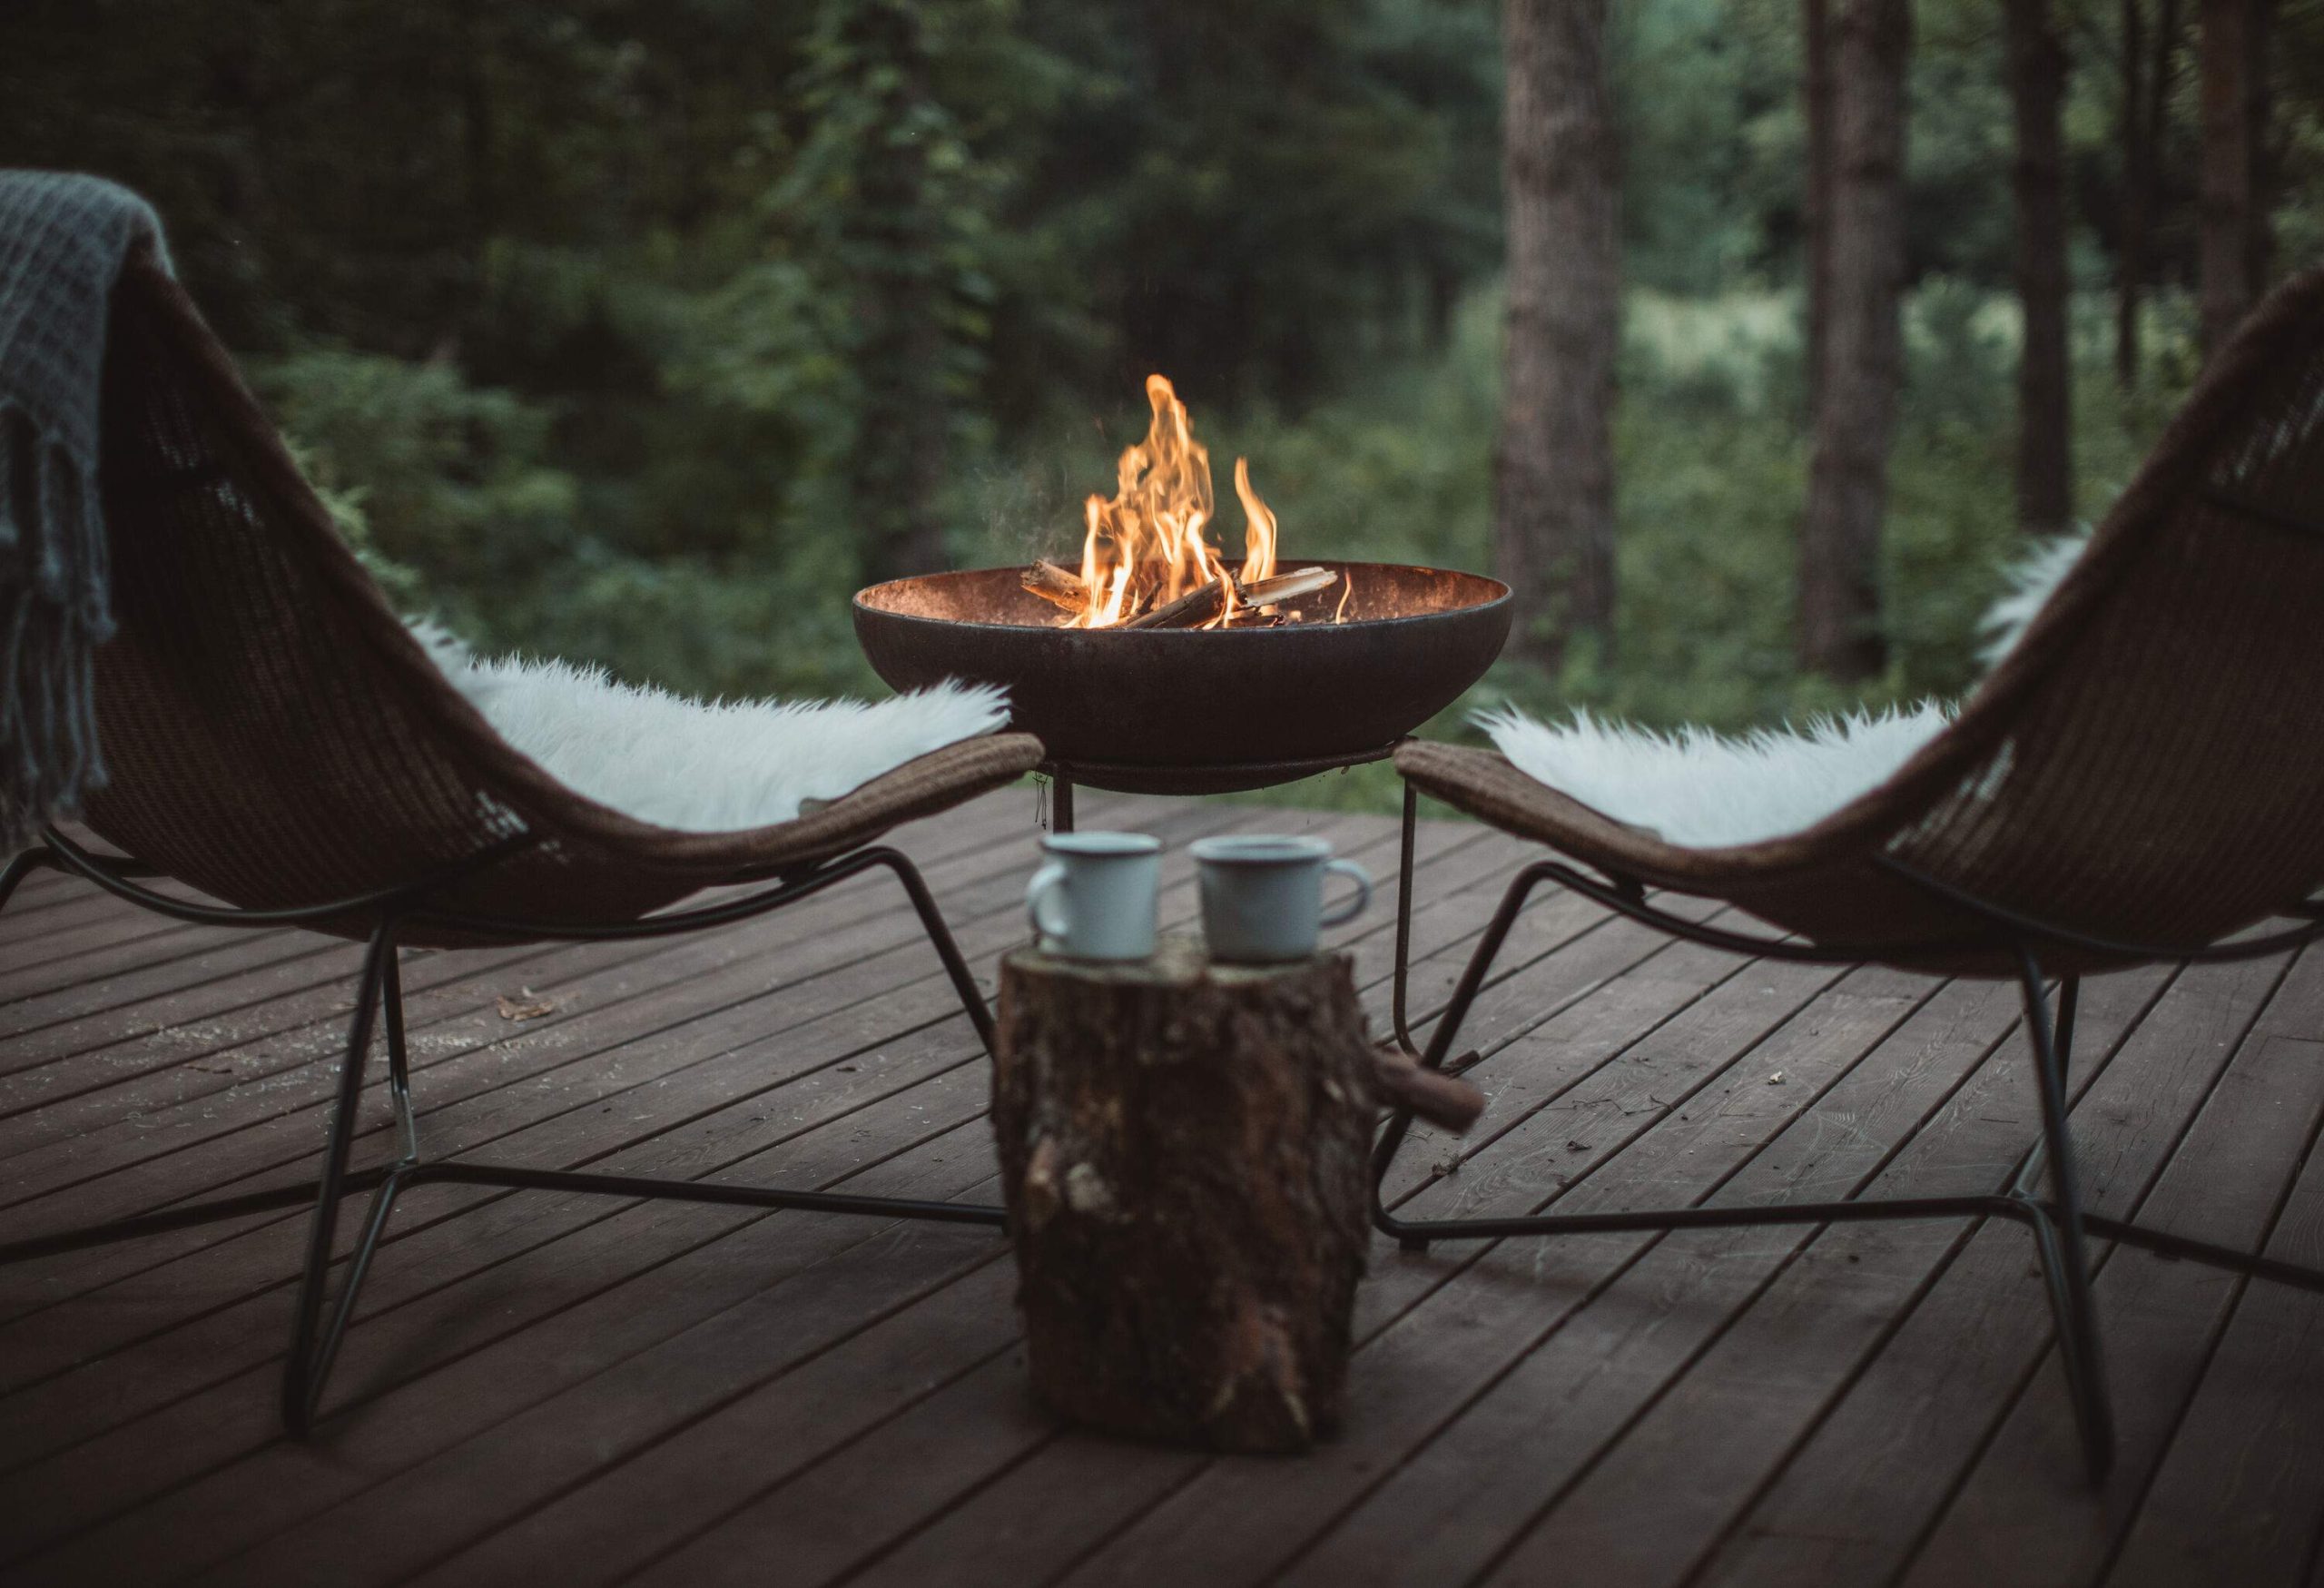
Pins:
x,y
581,1390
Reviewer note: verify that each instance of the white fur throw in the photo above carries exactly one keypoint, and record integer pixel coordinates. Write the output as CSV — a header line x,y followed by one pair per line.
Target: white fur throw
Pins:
x,y
704,766
1708,790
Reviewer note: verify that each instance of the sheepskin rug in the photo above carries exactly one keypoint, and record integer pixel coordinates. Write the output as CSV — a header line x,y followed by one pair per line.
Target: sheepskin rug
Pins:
x,y
1707,790
704,766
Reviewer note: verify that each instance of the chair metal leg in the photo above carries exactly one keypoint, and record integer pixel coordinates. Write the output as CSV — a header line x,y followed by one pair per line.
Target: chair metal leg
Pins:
x,y
398,1057
22,866
939,936
313,1343
2037,1162
2059,1236
320,1322
2058,1227
1411,1235
319,1327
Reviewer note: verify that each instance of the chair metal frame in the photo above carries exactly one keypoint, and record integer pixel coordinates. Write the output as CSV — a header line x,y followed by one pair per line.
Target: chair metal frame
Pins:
x,y
320,1325
2060,1225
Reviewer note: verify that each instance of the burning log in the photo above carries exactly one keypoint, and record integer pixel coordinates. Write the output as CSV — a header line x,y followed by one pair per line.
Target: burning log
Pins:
x,y
1058,585
1190,610
1286,587
1062,587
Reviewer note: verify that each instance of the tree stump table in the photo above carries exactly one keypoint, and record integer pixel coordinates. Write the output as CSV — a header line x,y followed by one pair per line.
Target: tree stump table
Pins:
x,y
1185,1150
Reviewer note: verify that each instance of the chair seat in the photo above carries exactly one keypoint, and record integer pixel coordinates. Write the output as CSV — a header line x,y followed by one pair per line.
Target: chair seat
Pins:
x,y
1822,885
596,864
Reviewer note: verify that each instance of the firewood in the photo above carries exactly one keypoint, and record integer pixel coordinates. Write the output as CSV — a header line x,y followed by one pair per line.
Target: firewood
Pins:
x,y
1442,1099
1286,587
1058,585
1188,611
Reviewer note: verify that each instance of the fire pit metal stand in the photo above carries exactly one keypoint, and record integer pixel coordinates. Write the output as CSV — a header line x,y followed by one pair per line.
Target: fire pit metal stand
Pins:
x,y
1239,777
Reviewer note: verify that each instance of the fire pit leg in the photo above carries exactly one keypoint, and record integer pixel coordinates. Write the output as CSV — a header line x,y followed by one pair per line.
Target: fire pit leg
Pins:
x,y
1060,803
1404,918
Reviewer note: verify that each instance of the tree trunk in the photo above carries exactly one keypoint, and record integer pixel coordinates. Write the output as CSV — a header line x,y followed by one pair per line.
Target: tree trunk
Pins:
x,y
1184,1150
2229,163
1553,534
905,421
1815,95
2138,197
2260,233
2146,112
2037,87
1839,546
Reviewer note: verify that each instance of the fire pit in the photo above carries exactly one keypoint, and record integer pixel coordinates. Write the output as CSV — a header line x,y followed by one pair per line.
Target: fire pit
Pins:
x,y
1210,710
1156,667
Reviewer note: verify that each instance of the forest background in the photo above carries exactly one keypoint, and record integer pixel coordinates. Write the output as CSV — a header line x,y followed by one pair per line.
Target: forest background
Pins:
x,y
645,332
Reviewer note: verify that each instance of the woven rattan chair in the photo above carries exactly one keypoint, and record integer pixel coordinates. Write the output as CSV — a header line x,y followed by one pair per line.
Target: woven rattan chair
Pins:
x,y
277,740
2141,779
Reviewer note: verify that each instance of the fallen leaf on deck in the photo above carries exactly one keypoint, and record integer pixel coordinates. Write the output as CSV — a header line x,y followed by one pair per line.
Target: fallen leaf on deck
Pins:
x,y
526,1008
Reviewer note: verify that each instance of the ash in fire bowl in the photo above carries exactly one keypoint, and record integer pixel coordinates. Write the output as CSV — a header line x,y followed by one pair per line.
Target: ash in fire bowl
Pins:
x,y
1157,653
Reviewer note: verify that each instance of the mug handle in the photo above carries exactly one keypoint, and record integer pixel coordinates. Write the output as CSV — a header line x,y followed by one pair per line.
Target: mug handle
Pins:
x,y
1037,892
1356,906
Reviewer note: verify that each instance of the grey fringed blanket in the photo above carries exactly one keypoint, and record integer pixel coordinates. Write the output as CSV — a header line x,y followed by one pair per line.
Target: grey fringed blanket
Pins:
x,y
64,241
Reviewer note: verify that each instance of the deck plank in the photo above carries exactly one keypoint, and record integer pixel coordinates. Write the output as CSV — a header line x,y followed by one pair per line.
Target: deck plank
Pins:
x,y
1178,897
701,987
1856,1495
2023,1516
588,1391
2240,1497
710,1145
1251,1513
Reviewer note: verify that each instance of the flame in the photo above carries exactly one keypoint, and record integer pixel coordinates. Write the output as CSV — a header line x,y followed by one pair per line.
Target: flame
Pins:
x,y
1258,536
1146,545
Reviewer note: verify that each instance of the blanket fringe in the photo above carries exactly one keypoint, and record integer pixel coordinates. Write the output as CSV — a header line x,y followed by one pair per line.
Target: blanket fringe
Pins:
x,y
54,614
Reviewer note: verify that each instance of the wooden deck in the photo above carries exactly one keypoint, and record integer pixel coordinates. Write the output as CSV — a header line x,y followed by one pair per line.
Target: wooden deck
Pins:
x,y
546,1390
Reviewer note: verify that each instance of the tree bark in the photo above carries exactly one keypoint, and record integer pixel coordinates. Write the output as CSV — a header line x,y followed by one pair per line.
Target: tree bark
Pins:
x,y
1553,535
1840,545
1816,97
2225,252
2138,197
2037,87
2260,233
2146,113
1184,1150
904,421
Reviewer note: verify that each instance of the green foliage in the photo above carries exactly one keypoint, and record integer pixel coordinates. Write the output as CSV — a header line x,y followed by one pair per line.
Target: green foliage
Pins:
x,y
448,478
639,331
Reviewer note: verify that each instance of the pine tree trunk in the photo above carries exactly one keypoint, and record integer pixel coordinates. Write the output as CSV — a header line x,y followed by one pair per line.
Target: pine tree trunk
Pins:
x,y
1553,534
1816,97
2037,87
2138,197
905,421
2148,92
2259,232
2225,250
1839,548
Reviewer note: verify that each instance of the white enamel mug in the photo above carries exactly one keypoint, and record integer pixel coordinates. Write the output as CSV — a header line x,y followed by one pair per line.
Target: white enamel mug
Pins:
x,y
1262,897
1094,896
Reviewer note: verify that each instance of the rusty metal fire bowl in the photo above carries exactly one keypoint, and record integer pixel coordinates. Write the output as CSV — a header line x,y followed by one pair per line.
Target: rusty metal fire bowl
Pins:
x,y
1188,699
